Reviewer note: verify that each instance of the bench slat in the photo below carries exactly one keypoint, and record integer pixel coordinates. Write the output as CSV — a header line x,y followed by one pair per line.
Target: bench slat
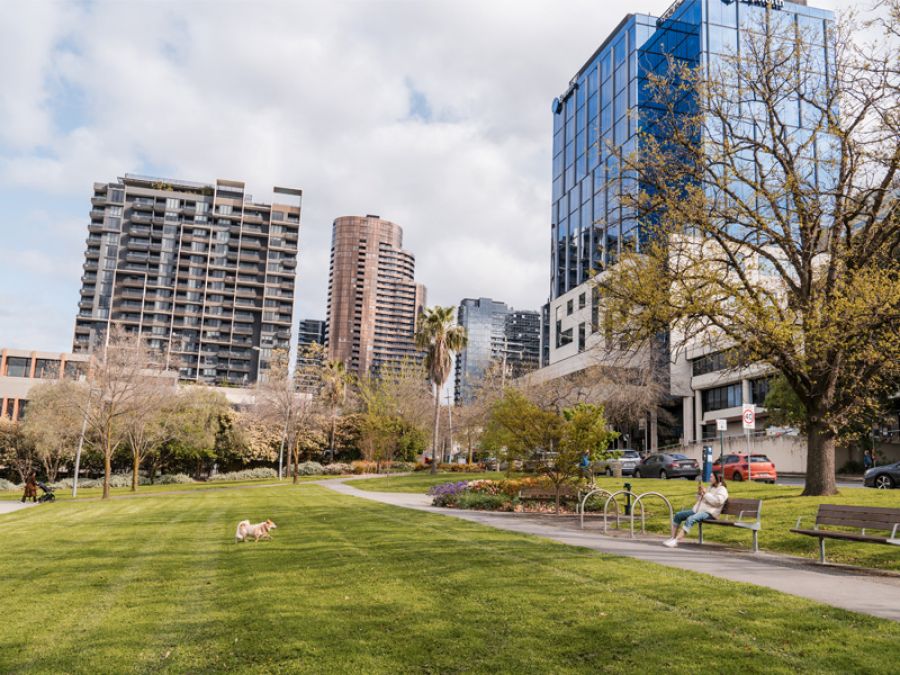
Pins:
x,y
850,536
859,521
839,508
750,507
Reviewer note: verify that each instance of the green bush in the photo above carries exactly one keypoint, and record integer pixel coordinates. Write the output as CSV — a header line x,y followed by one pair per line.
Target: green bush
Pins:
x,y
246,474
310,469
483,502
7,485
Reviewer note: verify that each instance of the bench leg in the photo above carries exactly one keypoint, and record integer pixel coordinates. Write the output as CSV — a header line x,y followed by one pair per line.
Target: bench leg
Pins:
x,y
700,532
822,550
755,541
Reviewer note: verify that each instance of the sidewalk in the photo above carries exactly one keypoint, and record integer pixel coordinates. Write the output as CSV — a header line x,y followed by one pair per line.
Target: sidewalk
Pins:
x,y
855,590
9,506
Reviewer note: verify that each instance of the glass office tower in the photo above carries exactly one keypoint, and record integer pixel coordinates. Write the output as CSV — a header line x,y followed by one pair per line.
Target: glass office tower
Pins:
x,y
596,121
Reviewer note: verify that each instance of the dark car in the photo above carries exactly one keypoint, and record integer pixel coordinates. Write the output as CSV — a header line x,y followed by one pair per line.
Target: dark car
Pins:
x,y
667,465
883,477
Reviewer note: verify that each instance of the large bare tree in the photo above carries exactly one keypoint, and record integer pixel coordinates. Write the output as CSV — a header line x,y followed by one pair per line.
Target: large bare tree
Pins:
x,y
768,195
122,373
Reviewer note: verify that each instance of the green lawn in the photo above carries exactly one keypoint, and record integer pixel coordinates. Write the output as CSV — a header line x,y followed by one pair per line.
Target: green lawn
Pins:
x,y
94,493
782,505
422,480
351,586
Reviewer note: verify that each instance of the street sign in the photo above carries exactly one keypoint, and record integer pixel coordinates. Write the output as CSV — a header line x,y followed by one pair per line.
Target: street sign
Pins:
x,y
721,425
748,416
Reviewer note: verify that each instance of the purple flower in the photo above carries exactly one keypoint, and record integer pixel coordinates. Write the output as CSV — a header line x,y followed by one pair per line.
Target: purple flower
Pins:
x,y
445,489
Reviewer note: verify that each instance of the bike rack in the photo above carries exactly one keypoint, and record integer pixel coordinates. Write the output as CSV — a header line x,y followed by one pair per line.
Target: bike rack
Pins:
x,y
618,515
652,494
583,501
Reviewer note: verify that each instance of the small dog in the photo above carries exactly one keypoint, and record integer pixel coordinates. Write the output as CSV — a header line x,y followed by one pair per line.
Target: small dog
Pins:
x,y
259,531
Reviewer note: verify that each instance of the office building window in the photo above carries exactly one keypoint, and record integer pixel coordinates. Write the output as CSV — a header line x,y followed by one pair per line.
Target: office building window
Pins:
x,y
722,397
17,367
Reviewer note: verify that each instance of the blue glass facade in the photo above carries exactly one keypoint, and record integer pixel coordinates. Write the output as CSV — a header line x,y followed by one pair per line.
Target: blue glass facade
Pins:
x,y
595,122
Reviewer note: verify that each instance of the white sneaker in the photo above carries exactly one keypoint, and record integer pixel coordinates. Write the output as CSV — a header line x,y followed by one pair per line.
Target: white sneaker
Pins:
x,y
671,543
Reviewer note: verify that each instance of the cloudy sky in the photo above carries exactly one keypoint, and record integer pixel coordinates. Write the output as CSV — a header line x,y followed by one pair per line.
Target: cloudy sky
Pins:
x,y
434,114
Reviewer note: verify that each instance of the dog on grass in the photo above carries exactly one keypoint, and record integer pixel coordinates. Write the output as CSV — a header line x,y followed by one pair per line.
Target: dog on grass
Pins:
x,y
259,531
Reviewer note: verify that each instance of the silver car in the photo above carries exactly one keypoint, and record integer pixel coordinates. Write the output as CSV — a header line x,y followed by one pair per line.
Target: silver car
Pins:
x,y
629,459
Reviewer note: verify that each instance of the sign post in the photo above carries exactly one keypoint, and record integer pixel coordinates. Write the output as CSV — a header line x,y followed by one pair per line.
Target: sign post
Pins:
x,y
722,427
748,417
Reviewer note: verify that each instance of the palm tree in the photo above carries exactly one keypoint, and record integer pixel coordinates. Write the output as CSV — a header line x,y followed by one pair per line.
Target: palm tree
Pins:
x,y
334,390
439,338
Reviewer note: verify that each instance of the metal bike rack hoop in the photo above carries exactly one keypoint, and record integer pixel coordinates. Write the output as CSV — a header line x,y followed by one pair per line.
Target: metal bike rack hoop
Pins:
x,y
586,497
638,501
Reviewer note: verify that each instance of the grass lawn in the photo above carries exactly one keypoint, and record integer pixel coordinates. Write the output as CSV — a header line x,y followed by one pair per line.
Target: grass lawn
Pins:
x,y
350,586
782,505
94,493
422,480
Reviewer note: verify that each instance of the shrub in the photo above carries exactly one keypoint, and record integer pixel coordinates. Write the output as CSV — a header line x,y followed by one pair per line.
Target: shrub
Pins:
x,y
475,500
360,467
461,468
246,474
852,467
310,469
7,485
337,469
170,479
402,467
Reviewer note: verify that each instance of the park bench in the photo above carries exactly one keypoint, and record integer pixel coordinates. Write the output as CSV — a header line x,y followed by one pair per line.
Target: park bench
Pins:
x,y
548,493
857,517
740,509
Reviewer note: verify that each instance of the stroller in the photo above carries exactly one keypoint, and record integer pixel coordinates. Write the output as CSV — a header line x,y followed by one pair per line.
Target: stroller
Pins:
x,y
48,495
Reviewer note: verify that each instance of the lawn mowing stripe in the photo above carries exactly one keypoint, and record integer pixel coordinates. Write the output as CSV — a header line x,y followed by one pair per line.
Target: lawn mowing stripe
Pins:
x,y
585,580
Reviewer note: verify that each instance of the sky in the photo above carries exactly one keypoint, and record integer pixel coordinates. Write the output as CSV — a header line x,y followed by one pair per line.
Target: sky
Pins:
x,y
434,114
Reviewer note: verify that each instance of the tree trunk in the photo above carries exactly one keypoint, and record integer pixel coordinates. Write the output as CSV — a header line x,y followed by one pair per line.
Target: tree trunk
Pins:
x,y
296,457
437,420
333,425
820,480
135,467
107,468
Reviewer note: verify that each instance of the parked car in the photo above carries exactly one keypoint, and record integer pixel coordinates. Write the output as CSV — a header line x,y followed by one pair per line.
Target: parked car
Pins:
x,y
736,468
667,465
629,458
883,477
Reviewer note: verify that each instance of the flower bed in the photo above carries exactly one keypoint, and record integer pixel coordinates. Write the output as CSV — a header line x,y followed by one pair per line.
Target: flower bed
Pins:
x,y
491,495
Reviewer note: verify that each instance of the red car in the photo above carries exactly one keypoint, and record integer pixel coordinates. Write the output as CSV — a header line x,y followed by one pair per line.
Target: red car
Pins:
x,y
736,468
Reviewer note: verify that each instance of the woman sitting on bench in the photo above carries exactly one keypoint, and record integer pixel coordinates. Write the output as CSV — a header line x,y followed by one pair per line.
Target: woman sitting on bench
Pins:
x,y
709,505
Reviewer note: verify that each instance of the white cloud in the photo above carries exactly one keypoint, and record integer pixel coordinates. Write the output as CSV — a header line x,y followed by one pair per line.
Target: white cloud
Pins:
x,y
315,95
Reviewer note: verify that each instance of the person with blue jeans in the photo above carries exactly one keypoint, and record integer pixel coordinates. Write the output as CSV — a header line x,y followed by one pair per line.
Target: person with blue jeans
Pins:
x,y
709,505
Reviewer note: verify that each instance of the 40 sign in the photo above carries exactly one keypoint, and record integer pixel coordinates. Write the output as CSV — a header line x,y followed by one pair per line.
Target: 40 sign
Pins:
x,y
748,416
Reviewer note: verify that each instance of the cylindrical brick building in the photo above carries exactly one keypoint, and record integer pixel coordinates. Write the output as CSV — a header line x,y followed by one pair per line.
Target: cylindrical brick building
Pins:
x,y
373,300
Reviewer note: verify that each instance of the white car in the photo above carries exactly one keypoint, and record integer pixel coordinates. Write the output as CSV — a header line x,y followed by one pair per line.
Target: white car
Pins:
x,y
629,458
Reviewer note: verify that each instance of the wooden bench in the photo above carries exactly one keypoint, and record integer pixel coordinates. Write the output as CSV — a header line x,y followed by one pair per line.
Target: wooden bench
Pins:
x,y
858,517
740,509
549,494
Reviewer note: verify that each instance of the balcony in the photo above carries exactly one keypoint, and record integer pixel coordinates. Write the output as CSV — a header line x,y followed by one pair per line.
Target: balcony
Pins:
x,y
97,213
141,218
142,204
98,201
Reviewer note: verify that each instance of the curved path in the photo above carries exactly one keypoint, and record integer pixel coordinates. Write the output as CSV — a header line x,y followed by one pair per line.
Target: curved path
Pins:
x,y
865,591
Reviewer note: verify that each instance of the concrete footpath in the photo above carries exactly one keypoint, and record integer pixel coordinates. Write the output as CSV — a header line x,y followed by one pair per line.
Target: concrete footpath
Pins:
x,y
9,506
862,591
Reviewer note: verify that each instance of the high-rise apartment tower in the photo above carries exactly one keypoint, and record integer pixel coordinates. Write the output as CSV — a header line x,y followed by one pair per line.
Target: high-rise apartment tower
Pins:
x,y
373,299
201,270
496,334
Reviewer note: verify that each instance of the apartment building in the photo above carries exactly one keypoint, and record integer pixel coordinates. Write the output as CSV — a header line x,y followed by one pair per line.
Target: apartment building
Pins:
x,y
200,270
373,299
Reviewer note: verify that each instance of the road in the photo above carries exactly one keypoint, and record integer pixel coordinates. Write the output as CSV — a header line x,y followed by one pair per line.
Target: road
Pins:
x,y
798,480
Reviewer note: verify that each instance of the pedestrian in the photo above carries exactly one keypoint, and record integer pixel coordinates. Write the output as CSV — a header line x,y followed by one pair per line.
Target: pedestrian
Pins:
x,y
30,488
868,462
585,465
709,505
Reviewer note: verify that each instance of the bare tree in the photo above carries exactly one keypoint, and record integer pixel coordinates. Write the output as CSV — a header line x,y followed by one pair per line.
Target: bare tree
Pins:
x,y
122,373
280,401
54,423
16,448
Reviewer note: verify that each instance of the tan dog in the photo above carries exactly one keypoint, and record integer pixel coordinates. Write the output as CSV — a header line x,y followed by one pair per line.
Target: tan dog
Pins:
x,y
259,531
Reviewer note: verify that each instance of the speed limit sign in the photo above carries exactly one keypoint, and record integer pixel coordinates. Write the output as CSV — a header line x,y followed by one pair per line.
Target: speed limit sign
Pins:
x,y
749,416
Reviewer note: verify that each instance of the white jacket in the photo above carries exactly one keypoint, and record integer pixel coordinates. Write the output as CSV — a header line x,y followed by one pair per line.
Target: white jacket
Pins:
x,y
712,502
